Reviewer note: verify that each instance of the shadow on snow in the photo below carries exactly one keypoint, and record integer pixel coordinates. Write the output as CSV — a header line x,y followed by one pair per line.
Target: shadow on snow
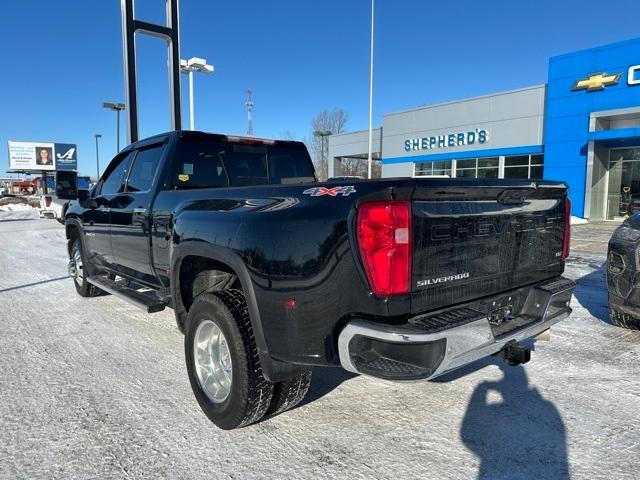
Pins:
x,y
514,431
591,292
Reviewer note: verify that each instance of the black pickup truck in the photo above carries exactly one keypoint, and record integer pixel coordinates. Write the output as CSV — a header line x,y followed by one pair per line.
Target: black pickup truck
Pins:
x,y
623,267
270,272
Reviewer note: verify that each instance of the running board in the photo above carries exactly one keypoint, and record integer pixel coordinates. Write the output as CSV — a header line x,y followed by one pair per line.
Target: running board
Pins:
x,y
147,300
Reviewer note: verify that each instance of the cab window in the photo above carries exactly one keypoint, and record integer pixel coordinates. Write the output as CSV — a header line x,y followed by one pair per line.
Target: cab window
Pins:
x,y
144,169
199,165
113,181
210,164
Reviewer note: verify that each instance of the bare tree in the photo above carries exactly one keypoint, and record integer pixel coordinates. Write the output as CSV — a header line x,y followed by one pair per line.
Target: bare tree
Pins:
x,y
352,166
323,124
287,135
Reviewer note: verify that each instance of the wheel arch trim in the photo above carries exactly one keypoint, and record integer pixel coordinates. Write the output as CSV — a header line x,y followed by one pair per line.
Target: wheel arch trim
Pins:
x,y
273,370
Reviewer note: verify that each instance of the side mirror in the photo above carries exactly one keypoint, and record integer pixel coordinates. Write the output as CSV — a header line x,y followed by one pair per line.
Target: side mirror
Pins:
x,y
66,185
83,195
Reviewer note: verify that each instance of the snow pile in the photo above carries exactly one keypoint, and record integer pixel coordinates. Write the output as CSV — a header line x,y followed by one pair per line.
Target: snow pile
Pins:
x,y
16,207
578,220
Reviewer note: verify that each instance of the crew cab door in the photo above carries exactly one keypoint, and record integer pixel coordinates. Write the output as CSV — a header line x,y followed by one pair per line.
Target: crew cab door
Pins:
x,y
96,218
131,214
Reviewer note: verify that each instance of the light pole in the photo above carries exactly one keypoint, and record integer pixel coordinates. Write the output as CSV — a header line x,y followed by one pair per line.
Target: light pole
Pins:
x,y
194,64
98,136
369,157
116,107
322,134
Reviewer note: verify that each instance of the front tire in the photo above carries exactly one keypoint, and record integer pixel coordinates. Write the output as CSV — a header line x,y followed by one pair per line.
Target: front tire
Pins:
x,y
222,361
84,288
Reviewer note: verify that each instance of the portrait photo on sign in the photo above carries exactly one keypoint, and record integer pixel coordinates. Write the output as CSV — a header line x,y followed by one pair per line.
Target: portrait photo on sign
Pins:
x,y
44,156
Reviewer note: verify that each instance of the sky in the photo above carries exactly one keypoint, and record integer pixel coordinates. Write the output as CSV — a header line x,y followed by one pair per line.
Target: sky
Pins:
x,y
61,59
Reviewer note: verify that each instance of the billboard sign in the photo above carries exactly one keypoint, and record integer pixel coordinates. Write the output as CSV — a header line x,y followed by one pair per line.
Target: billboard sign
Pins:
x,y
39,156
65,154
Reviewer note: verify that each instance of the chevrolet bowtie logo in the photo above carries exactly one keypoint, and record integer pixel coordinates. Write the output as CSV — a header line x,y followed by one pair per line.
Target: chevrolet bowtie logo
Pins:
x,y
597,81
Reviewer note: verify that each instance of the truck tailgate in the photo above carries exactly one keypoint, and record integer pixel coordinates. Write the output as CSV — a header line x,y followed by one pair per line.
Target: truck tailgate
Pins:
x,y
473,241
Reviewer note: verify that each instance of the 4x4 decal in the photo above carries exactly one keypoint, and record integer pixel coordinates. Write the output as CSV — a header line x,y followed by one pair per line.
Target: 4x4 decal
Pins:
x,y
320,191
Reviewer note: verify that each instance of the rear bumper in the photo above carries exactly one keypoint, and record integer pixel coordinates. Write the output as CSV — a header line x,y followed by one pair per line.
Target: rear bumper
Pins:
x,y
411,352
48,214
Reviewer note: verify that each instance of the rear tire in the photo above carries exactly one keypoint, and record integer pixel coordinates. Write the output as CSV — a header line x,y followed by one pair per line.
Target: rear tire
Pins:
x,y
623,320
249,393
84,288
289,393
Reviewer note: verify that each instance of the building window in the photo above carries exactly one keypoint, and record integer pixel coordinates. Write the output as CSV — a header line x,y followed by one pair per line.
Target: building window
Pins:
x,y
524,166
478,167
430,169
515,166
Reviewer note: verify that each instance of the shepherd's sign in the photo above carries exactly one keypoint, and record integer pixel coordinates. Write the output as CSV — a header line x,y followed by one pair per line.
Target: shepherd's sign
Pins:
x,y
457,139
39,156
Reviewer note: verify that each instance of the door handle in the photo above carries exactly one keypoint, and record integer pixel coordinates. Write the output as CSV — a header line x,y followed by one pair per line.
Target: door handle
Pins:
x,y
140,211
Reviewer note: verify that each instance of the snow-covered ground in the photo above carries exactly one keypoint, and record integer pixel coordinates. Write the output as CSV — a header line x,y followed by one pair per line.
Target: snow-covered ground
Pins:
x,y
94,388
18,211
16,207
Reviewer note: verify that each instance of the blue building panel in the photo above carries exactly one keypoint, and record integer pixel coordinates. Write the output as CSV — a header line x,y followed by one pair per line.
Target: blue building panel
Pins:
x,y
567,105
570,128
616,56
616,134
567,112
622,97
570,66
563,87
569,153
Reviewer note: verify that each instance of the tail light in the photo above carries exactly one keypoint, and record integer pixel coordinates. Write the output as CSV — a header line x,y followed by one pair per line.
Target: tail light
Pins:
x,y
47,201
384,240
566,238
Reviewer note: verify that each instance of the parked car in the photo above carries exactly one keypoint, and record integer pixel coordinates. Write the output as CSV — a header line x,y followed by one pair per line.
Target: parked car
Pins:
x,y
623,265
53,207
270,272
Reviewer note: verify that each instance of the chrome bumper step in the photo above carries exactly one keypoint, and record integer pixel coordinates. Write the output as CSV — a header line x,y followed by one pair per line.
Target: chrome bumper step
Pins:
x,y
431,345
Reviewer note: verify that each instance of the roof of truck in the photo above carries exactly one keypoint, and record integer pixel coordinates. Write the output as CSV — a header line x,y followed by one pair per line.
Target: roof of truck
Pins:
x,y
197,134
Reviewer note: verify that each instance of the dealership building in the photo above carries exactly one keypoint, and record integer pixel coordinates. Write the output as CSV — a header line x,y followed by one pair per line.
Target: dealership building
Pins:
x,y
581,127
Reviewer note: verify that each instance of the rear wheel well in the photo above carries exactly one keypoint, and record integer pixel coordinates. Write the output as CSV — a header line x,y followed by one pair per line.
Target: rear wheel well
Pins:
x,y
204,275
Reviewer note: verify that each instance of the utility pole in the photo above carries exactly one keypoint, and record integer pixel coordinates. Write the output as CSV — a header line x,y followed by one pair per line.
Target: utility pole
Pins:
x,y
98,136
116,107
322,135
369,156
249,104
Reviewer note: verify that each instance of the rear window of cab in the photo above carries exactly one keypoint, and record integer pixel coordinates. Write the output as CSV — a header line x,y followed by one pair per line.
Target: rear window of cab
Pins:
x,y
210,164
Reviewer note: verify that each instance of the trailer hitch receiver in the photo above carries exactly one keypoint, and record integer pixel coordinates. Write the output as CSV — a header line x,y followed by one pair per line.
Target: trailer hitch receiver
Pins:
x,y
515,354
